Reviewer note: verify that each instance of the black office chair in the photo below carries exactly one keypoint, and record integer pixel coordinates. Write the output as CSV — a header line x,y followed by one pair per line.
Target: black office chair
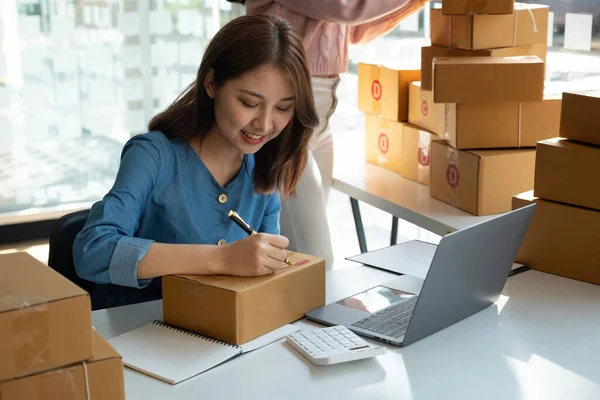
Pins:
x,y
60,257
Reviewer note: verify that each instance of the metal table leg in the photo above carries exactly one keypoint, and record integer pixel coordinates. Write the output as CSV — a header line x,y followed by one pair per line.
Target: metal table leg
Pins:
x,y
394,236
360,230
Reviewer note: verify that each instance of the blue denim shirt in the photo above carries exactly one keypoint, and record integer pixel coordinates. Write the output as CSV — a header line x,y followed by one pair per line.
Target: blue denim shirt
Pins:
x,y
164,193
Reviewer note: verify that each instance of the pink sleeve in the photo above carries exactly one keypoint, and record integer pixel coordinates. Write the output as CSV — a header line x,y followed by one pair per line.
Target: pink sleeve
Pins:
x,y
366,32
348,12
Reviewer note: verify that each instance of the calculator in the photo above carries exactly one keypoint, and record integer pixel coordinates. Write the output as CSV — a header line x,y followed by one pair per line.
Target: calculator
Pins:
x,y
332,345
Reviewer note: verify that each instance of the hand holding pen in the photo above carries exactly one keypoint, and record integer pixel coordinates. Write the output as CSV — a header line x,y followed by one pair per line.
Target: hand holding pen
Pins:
x,y
234,216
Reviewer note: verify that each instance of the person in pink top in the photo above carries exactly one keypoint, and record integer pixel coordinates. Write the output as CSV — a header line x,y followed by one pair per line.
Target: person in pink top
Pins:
x,y
327,27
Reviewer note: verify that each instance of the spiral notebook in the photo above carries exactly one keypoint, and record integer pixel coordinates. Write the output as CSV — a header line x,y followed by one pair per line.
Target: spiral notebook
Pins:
x,y
174,355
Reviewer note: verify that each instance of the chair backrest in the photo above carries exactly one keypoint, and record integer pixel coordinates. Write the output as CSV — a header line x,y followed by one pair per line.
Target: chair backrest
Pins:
x,y
60,257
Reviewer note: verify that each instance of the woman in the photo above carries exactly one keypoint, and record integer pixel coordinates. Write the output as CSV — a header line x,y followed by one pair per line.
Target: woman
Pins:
x,y
327,28
236,139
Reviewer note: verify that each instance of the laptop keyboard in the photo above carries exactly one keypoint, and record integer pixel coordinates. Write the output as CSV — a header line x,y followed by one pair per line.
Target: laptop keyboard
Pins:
x,y
391,321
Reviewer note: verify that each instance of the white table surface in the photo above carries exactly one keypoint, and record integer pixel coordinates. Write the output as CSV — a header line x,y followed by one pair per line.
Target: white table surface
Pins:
x,y
390,191
540,341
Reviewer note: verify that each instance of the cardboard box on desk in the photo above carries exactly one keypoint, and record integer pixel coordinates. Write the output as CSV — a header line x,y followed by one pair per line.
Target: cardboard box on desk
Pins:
x,y
580,119
567,172
238,309
384,91
488,79
45,319
100,378
428,53
383,142
399,147
415,162
469,7
480,182
485,125
527,25
561,240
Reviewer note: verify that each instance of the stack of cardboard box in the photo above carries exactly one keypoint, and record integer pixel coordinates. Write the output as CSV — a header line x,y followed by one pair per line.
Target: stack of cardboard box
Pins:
x,y
390,141
49,349
563,236
482,92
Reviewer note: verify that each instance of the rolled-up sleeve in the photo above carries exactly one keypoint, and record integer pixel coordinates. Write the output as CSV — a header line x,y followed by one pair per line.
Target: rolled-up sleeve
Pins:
x,y
106,251
270,221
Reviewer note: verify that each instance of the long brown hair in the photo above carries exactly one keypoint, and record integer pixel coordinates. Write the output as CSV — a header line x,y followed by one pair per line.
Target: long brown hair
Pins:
x,y
242,45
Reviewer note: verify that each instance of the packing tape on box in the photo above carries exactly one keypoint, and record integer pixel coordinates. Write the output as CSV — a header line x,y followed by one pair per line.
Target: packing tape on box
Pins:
x,y
33,343
423,156
518,6
376,89
452,175
520,125
522,6
447,136
87,381
473,7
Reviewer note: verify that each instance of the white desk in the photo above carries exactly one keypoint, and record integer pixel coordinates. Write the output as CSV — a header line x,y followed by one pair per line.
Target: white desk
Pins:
x,y
540,341
390,192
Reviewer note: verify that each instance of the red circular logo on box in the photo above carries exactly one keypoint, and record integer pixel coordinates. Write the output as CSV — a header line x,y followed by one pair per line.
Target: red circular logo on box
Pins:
x,y
424,108
423,157
376,90
452,176
384,143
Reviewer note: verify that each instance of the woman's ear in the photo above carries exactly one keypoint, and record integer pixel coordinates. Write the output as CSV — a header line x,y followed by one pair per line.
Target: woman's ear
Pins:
x,y
209,85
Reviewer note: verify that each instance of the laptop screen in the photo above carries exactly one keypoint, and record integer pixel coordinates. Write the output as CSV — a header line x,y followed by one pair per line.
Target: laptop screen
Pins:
x,y
375,299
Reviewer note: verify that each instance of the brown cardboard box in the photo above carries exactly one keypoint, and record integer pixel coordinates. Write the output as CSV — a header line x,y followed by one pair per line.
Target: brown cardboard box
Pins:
x,y
104,379
383,142
428,53
384,91
567,171
561,239
527,25
485,125
45,319
480,182
580,119
423,112
488,79
415,160
469,7
238,309
399,147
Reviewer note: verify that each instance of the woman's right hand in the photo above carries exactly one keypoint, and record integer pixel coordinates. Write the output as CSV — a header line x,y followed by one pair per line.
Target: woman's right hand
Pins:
x,y
255,255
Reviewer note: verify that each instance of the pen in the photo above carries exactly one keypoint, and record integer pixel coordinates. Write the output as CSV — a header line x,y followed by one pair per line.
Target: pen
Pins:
x,y
244,225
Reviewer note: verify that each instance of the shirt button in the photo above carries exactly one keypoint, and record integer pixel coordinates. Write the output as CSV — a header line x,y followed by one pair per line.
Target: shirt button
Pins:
x,y
221,242
223,198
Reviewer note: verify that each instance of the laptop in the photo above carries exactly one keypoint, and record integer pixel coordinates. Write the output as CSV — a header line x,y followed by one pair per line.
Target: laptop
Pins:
x,y
467,274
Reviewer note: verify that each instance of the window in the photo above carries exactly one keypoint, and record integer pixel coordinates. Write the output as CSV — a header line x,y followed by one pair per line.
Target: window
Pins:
x,y
78,78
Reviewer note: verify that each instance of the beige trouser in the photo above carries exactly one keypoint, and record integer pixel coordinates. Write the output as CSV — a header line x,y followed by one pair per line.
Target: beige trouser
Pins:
x,y
303,218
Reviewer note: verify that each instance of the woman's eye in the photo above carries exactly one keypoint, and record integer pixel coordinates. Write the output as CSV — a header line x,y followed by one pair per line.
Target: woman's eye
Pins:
x,y
248,104
284,109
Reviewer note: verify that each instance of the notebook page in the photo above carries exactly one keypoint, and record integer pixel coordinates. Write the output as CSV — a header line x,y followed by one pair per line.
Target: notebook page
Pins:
x,y
168,354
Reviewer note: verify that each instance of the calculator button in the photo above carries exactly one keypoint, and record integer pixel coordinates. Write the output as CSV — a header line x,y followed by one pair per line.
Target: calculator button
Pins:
x,y
332,345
